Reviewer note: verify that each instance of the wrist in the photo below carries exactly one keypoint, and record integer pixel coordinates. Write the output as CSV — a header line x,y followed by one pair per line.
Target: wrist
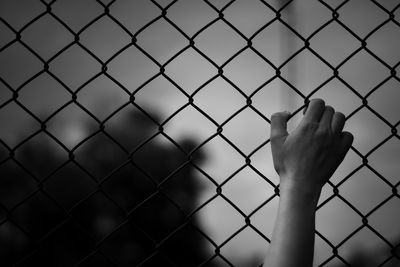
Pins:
x,y
300,191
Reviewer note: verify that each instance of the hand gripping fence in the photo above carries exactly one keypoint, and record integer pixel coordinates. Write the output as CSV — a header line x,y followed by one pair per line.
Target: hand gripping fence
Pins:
x,y
39,227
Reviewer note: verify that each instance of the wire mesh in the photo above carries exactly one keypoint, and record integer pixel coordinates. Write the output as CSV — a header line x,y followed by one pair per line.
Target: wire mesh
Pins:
x,y
105,224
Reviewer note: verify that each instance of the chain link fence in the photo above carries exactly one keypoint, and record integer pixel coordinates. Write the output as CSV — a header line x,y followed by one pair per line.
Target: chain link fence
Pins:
x,y
125,189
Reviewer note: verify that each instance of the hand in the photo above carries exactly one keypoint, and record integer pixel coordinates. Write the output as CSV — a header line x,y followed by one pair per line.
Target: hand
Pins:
x,y
308,157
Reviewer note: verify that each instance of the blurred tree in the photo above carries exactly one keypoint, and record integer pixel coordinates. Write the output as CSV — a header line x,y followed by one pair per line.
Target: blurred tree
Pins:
x,y
362,257
100,206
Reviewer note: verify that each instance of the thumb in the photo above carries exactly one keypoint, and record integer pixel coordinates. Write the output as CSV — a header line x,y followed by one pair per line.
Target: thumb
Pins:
x,y
279,124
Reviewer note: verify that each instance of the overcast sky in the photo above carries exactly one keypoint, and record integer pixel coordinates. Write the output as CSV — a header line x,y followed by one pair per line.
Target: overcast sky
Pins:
x,y
219,99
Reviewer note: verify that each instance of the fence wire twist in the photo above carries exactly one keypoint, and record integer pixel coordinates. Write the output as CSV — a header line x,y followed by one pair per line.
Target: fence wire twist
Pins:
x,y
159,182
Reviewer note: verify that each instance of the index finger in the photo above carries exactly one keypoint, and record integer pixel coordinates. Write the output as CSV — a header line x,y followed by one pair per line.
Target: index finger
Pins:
x,y
314,110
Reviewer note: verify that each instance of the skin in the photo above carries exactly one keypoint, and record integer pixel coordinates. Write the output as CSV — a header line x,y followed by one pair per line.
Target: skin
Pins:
x,y
305,160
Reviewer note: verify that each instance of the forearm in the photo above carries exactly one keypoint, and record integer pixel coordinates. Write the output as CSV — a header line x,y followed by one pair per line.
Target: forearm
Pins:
x,y
305,159
293,236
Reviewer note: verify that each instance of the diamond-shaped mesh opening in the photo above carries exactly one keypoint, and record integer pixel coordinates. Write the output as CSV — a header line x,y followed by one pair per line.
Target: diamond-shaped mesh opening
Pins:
x,y
159,35
273,90
386,228
3,154
362,19
67,243
211,100
267,210
249,181
335,43
338,95
5,94
219,42
245,236
108,155
69,189
267,174
267,42
167,212
19,14
104,38
118,246
210,212
366,195
74,67
222,149
246,130
125,181
365,240
199,12
190,71
13,243
112,97
7,35
219,4
76,14
132,79
17,65
41,155
202,130
313,14
97,221
350,164
19,184
134,15
357,69
192,257
382,160
66,125
248,71
311,72
49,31
48,88
390,33
323,252
248,16
346,223
38,215
162,88
371,130
9,132
386,93
137,132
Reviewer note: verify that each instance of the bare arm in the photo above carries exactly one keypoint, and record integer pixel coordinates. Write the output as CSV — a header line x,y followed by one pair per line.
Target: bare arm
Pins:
x,y
305,160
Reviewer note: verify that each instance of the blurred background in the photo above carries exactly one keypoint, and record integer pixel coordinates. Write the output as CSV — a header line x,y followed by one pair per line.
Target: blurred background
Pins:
x,y
137,132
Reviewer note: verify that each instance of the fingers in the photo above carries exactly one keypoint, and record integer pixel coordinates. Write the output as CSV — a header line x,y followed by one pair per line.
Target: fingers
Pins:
x,y
314,110
346,140
279,124
326,119
325,115
337,124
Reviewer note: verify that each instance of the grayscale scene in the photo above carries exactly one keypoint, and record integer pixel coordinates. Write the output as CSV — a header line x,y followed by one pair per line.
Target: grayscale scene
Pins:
x,y
138,132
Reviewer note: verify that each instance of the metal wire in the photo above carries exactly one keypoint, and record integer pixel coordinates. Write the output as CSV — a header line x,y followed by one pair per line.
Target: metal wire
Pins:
x,y
161,247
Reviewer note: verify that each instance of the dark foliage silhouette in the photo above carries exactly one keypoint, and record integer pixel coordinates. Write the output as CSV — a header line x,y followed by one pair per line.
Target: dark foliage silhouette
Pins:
x,y
374,257
99,207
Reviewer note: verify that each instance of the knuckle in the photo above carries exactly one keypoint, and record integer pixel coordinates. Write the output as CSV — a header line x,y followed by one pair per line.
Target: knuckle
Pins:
x,y
318,101
330,109
323,133
274,138
340,115
277,115
310,126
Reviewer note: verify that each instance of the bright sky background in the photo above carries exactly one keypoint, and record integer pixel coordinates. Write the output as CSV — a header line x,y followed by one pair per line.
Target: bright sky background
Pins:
x,y
219,99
